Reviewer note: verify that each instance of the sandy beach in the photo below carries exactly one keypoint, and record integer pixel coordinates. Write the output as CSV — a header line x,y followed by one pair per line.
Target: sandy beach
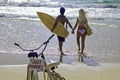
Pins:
x,y
15,67
77,71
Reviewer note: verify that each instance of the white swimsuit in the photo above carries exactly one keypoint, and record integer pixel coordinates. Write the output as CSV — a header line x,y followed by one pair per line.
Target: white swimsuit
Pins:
x,y
82,31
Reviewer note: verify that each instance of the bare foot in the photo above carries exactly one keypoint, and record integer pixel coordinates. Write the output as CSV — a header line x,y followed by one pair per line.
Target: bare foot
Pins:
x,y
78,50
63,54
83,54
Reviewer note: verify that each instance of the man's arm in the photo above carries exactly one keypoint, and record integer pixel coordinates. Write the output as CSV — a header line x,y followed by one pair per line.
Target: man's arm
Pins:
x,y
69,24
56,21
75,24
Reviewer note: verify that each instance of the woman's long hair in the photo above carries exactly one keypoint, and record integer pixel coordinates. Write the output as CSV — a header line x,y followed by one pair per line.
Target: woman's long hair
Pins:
x,y
82,16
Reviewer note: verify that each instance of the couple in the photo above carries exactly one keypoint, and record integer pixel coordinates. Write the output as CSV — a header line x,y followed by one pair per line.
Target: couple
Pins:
x,y
81,23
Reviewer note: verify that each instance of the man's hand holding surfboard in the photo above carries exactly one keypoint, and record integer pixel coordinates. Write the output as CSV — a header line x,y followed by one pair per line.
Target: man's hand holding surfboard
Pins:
x,y
49,21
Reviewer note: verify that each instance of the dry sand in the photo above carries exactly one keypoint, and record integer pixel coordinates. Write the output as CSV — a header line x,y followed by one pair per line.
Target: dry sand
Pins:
x,y
75,71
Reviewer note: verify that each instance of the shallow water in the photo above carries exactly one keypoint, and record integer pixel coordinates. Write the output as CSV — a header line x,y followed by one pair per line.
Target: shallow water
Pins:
x,y
103,45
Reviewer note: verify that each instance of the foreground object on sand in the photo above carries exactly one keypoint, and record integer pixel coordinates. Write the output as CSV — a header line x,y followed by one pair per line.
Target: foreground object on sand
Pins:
x,y
49,21
40,65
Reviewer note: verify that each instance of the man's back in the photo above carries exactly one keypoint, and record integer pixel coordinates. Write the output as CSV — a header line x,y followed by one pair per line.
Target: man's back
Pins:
x,y
62,19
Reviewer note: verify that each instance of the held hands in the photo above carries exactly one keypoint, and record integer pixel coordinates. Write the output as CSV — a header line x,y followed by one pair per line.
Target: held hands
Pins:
x,y
72,31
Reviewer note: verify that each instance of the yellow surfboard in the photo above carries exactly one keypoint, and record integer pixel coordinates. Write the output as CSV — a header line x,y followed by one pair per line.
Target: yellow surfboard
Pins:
x,y
49,21
89,30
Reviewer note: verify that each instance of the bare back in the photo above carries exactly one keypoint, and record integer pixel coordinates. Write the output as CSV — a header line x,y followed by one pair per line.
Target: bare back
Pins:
x,y
62,19
81,24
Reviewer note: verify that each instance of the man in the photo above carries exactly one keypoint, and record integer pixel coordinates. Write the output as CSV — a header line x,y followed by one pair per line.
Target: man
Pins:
x,y
61,18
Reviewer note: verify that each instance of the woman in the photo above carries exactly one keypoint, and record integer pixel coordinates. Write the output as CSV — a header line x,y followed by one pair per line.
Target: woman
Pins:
x,y
81,30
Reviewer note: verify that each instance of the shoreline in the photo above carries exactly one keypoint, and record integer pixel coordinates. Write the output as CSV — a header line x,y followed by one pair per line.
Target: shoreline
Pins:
x,y
21,59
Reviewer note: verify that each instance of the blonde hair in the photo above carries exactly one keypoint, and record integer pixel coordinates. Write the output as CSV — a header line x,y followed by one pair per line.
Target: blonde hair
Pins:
x,y
82,16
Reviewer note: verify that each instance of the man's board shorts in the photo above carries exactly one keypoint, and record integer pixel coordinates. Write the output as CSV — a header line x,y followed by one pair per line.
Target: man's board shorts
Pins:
x,y
61,39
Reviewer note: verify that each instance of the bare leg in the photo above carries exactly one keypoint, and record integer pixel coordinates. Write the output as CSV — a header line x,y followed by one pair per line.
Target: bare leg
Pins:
x,y
60,47
60,60
78,43
78,40
83,42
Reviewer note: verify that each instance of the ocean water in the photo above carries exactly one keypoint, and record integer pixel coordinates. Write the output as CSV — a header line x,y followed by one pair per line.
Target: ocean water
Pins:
x,y
20,23
97,9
